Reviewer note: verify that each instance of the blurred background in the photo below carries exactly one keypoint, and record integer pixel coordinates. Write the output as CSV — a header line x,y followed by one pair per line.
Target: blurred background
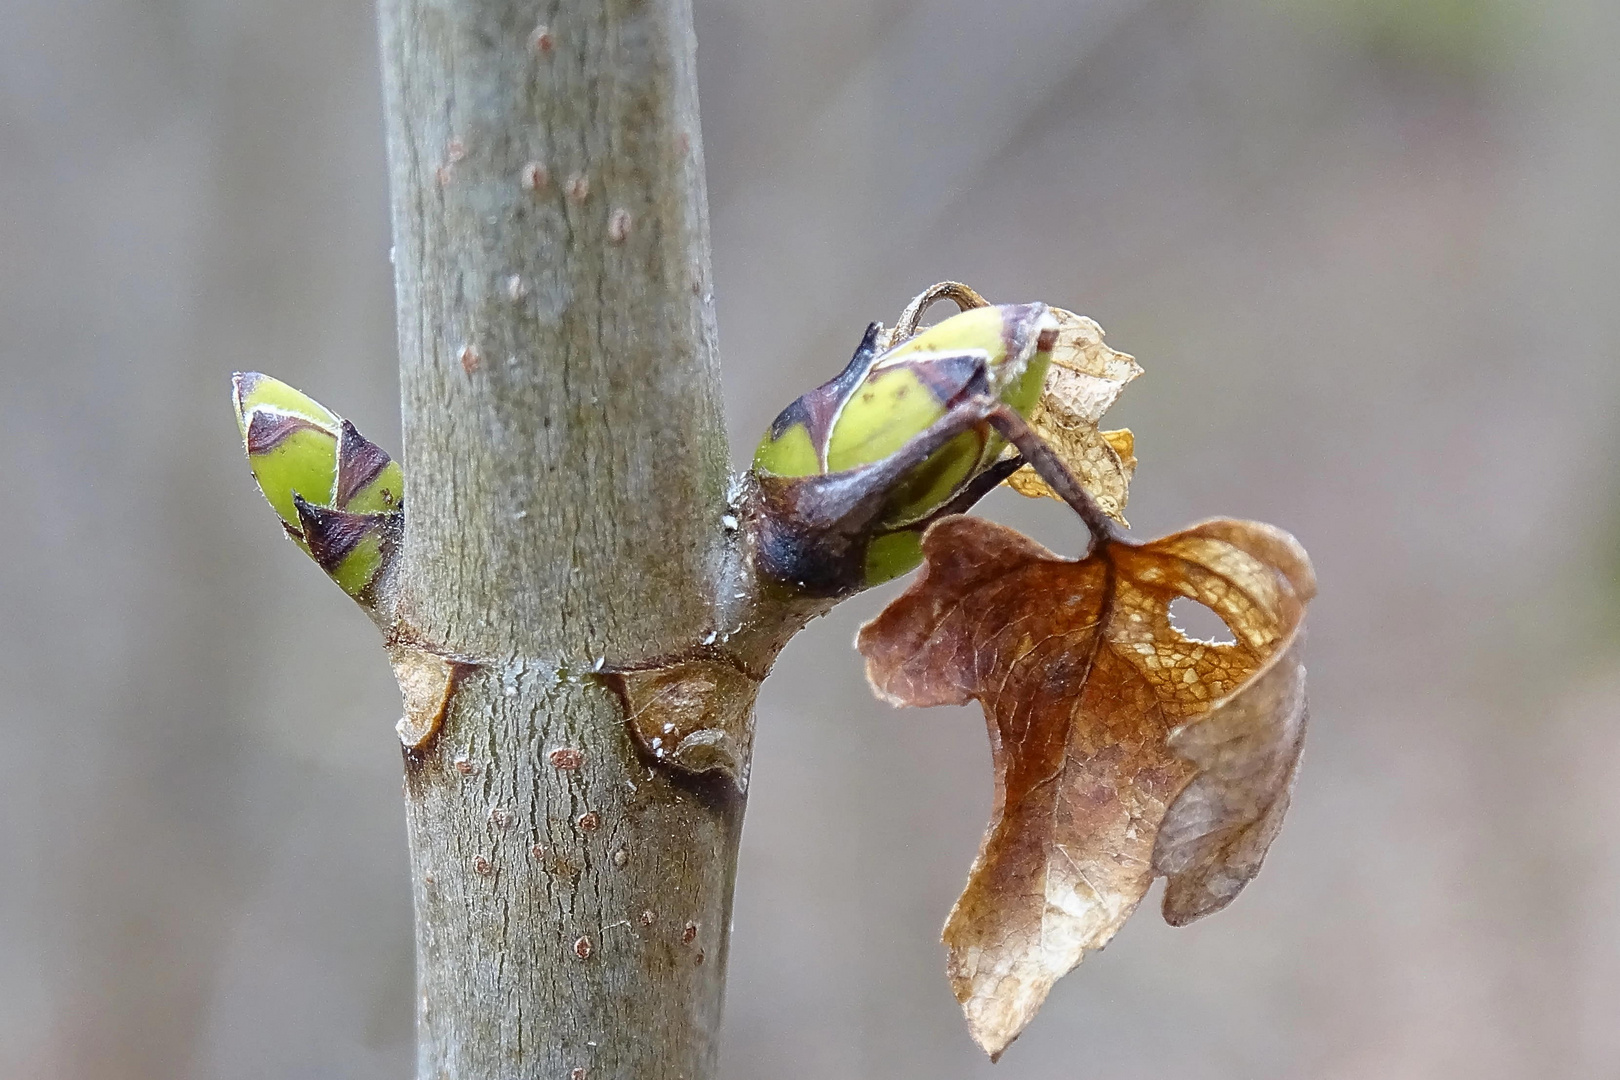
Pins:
x,y
1366,251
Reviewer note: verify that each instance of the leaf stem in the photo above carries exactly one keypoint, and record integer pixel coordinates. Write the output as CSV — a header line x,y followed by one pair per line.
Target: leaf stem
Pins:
x,y
1104,529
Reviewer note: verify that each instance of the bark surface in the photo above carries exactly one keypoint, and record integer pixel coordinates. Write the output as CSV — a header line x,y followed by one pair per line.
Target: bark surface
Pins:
x,y
567,478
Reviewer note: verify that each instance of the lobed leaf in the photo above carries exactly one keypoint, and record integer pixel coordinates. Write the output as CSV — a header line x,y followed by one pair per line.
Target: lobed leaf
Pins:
x,y
1122,749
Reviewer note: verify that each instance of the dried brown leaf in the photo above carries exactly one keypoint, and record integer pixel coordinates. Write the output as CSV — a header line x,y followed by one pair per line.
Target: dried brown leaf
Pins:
x,y
1085,378
1122,748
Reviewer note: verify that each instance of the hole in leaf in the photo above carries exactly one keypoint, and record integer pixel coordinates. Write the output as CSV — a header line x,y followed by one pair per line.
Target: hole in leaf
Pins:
x,y
1199,623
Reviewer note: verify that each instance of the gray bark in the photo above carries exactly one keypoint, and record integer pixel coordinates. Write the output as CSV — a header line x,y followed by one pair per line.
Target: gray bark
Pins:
x,y
566,484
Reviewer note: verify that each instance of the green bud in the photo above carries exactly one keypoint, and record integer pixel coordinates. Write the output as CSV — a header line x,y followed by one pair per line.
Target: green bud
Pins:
x,y
878,406
339,496
890,554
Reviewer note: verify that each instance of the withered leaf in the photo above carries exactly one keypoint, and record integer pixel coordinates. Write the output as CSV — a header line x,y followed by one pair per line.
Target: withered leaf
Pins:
x,y
1085,378
1123,750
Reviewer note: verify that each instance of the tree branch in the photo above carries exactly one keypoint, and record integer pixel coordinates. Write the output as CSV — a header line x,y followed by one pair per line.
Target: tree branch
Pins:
x,y
566,484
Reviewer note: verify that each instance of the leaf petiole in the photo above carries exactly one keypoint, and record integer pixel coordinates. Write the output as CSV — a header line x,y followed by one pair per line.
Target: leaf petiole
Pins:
x,y
1039,456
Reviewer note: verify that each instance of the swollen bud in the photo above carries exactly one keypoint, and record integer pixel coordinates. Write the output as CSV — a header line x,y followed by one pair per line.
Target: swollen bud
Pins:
x,y
853,471
339,495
